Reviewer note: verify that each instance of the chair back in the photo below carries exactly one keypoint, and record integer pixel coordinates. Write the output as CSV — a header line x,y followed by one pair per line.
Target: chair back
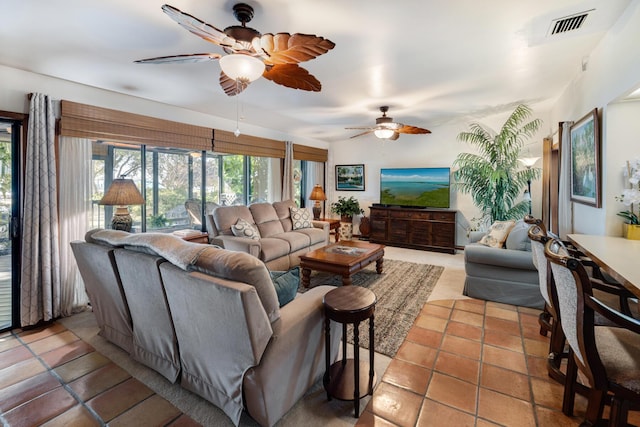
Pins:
x,y
539,237
573,286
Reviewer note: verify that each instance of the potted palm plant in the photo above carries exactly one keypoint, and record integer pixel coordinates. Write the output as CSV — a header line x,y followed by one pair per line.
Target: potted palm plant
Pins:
x,y
346,208
492,175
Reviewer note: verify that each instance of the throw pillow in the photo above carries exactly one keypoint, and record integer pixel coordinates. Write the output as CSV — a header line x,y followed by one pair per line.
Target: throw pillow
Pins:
x,y
497,234
518,238
301,218
286,284
243,229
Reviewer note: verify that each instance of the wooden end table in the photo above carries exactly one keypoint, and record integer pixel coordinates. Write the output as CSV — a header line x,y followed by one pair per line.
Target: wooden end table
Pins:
x,y
334,225
349,304
345,258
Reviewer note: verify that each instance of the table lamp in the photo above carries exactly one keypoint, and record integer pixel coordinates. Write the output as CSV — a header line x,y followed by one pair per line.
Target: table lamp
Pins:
x,y
121,193
317,195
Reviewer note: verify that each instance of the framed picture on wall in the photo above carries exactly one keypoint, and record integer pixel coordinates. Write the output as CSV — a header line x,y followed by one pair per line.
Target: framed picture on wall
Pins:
x,y
586,180
350,177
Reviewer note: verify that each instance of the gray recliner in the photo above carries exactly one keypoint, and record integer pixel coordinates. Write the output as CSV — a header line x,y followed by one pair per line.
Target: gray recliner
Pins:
x,y
506,275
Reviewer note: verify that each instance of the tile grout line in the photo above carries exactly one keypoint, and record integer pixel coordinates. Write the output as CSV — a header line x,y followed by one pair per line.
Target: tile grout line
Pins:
x,y
63,383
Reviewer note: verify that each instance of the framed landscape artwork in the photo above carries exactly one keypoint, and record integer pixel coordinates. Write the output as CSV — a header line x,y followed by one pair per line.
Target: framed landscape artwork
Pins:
x,y
586,181
350,177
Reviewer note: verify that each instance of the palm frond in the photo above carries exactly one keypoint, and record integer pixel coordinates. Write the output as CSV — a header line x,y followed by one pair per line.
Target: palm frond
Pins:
x,y
493,176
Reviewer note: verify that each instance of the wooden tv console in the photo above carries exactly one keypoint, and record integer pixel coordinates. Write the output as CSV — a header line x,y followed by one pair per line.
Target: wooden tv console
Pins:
x,y
415,228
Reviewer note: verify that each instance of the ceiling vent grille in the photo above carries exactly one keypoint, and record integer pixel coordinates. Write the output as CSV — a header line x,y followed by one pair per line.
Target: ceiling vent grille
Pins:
x,y
569,23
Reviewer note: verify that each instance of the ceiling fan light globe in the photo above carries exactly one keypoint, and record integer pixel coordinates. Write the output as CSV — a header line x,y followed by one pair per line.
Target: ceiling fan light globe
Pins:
x,y
383,133
243,67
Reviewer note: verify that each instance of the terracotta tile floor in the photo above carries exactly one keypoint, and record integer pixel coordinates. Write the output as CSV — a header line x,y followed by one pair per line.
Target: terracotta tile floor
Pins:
x,y
464,363
471,363
50,377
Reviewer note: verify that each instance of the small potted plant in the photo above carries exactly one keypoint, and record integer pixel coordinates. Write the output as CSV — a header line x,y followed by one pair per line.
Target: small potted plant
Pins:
x,y
346,208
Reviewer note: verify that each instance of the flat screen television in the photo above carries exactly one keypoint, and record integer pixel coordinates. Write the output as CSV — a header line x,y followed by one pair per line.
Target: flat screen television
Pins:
x,y
415,187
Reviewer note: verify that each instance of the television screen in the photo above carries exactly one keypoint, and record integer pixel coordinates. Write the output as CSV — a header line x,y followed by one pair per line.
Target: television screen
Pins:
x,y
415,187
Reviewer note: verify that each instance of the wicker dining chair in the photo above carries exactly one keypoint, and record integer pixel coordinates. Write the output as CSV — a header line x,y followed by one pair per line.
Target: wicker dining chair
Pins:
x,y
609,356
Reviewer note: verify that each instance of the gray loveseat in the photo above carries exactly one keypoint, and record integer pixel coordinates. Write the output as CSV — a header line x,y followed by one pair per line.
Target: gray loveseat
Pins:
x,y
208,318
279,245
505,275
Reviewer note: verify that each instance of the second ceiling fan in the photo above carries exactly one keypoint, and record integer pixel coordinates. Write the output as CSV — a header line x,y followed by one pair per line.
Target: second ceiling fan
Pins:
x,y
386,128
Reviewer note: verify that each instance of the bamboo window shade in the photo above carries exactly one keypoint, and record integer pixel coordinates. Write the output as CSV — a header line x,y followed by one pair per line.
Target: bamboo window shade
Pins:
x,y
97,123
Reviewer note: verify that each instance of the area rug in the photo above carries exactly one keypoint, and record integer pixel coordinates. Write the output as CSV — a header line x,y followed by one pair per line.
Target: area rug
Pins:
x,y
401,291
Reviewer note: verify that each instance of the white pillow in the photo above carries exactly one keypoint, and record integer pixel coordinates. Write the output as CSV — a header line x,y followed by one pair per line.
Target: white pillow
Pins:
x,y
243,229
497,234
301,218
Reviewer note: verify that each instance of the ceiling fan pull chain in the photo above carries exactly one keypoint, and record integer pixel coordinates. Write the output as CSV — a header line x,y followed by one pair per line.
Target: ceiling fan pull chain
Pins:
x,y
237,131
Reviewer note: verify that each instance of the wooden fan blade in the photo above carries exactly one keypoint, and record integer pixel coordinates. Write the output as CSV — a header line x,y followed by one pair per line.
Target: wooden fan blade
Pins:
x,y
412,130
230,86
360,134
293,76
284,48
201,28
395,136
180,59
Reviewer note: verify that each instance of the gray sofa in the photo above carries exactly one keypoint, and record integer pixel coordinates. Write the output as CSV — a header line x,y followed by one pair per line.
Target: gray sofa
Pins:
x,y
505,275
208,318
279,245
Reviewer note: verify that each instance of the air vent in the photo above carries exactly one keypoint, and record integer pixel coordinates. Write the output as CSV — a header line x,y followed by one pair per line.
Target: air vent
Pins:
x,y
568,23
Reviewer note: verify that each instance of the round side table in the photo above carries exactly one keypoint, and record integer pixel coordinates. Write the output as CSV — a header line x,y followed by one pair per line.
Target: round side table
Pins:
x,y
349,304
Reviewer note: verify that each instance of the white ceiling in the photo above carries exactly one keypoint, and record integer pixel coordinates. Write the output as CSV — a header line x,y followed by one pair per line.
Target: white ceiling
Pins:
x,y
432,61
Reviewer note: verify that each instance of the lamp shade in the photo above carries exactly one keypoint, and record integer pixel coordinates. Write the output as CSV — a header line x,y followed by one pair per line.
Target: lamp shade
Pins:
x,y
317,193
240,66
529,161
122,192
383,133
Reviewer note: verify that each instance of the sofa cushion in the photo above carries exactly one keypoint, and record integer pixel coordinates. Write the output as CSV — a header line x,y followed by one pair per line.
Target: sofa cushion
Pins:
x,y
283,210
295,240
242,228
286,284
315,235
272,248
518,238
300,218
266,219
225,217
497,234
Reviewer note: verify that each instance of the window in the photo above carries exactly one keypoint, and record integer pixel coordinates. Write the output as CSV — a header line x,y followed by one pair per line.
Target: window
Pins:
x,y
175,183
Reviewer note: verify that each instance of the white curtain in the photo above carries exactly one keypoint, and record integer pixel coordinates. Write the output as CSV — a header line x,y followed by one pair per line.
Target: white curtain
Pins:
x,y
287,177
40,279
315,175
75,207
565,207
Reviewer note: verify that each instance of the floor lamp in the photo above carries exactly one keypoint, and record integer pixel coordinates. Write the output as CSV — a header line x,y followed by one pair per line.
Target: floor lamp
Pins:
x,y
528,162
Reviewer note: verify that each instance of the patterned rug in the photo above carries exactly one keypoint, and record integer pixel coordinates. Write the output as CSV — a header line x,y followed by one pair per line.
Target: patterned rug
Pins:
x,y
401,291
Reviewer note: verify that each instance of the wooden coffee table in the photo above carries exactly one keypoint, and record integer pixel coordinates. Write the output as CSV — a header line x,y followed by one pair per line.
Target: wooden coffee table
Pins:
x,y
345,258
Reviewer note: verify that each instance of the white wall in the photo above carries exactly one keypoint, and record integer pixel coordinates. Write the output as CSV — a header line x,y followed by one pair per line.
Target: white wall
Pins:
x,y
622,129
613,70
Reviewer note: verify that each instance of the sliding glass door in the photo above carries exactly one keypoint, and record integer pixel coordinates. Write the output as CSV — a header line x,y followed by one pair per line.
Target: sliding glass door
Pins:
x,y
9,222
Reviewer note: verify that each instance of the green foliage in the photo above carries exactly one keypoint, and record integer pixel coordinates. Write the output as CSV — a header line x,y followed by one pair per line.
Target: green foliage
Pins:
x,y
630,217
493,176
158,221
346,207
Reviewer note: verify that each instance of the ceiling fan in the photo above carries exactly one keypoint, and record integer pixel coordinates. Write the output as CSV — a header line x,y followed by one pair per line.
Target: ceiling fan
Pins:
x,y
249,53
386,128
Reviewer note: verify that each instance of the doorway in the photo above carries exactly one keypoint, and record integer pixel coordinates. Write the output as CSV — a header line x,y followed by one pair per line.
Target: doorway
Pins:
x,y
10,136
